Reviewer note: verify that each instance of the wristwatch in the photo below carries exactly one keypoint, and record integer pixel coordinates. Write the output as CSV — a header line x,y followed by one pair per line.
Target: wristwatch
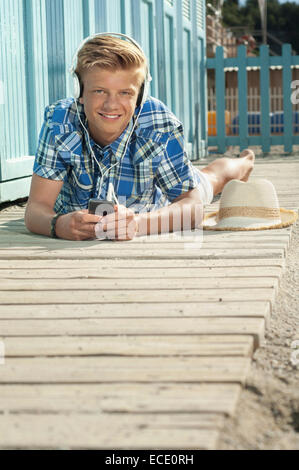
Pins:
x,y
53,225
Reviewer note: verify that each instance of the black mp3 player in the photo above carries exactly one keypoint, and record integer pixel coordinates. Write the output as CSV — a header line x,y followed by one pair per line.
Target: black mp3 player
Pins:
x,y
100,207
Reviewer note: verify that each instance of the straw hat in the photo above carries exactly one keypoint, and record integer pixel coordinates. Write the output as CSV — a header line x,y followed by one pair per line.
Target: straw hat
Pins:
x,y
251,205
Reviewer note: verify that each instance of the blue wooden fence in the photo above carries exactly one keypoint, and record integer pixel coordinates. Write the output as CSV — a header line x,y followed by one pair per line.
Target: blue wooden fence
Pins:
x,y
38,39
264,61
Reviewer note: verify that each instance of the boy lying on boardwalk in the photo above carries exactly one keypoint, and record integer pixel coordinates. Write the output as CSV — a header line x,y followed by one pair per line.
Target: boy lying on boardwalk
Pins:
x,y
112,138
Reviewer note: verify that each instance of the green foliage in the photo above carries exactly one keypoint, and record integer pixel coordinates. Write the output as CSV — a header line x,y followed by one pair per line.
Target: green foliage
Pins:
x,y
282,18
231,13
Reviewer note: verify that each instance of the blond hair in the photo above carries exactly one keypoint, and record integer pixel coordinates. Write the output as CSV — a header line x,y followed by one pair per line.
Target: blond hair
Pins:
x,y
109,53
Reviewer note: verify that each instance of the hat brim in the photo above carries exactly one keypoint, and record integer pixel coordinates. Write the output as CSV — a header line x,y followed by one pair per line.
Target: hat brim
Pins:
x,y
288,217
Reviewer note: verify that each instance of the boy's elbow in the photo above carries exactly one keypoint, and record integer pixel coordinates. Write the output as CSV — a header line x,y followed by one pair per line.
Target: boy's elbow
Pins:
x,y
27,218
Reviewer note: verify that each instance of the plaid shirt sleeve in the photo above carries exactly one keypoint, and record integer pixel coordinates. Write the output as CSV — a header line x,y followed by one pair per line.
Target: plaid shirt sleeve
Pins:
x,y
49,162
175,174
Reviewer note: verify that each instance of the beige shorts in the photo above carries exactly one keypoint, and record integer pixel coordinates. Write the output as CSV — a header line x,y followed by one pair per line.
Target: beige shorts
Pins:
x,y
205,187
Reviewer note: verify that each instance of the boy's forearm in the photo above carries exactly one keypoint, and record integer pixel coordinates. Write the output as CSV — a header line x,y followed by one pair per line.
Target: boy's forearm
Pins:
x,y
183,215
38,218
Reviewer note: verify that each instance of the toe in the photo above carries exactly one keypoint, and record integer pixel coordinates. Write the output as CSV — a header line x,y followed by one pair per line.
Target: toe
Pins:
x,y
247,153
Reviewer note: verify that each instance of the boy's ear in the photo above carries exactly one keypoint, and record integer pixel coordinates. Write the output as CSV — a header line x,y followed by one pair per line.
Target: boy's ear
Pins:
x,y
81,100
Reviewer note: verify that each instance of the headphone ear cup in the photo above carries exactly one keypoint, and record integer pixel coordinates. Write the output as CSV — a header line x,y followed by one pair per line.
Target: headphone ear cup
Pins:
x,y
140,96
76,87
145,91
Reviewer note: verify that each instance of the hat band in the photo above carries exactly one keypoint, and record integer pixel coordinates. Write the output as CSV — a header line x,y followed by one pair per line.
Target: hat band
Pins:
x,y
255,212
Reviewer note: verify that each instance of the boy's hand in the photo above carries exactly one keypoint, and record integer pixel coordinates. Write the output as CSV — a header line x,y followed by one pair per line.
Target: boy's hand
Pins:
x,y
121,225
78,225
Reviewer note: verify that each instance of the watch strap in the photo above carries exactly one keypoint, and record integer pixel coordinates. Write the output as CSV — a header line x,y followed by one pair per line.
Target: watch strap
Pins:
x,y
53,226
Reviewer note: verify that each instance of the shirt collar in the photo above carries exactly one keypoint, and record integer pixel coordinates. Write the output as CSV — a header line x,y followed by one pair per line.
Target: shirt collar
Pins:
x,y
118,145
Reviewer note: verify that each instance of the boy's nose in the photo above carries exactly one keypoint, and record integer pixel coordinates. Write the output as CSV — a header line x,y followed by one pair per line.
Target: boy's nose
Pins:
x,y
111,102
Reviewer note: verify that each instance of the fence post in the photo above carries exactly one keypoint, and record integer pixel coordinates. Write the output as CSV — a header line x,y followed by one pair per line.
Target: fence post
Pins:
x,y
287,104
220,99
265,98
242,95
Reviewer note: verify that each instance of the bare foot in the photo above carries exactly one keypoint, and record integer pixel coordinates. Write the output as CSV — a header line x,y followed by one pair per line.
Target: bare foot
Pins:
x,y
222,170
249,158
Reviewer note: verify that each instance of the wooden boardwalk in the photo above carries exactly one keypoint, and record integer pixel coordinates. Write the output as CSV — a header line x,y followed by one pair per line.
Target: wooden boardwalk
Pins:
x,y
135,345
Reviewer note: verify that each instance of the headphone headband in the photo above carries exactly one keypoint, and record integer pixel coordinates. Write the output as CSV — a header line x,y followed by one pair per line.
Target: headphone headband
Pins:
x,y
76,82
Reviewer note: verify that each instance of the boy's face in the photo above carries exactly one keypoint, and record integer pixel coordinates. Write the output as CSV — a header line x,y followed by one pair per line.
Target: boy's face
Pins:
x,y
109,99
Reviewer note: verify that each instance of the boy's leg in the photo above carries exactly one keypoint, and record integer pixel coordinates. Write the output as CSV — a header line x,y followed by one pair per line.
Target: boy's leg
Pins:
x,y
222,170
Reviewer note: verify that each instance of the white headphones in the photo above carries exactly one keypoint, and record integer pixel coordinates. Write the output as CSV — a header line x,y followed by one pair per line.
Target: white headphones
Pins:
x,y
76,82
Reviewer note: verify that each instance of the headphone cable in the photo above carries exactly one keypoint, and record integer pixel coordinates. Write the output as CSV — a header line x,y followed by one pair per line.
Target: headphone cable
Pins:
x,y
111,191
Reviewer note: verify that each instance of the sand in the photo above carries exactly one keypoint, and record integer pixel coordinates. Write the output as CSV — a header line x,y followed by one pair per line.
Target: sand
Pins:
x,y
267,416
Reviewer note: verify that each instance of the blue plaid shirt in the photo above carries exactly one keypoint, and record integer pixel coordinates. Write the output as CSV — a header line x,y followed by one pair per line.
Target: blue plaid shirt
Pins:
x,y
153,171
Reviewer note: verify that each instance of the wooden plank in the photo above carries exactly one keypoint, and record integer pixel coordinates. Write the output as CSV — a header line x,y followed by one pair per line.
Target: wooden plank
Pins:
x,y
139,296
183,345
132,326
177,250
136,284
124,369
13,219
17,228
190,253
11,242
162,421
139,263
107,432
138,310
12,237
14,231
124,397
18,216
103,272
12,215
15,223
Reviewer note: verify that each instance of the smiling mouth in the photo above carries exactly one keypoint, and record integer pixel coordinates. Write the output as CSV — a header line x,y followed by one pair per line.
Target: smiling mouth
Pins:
x,y
110,116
